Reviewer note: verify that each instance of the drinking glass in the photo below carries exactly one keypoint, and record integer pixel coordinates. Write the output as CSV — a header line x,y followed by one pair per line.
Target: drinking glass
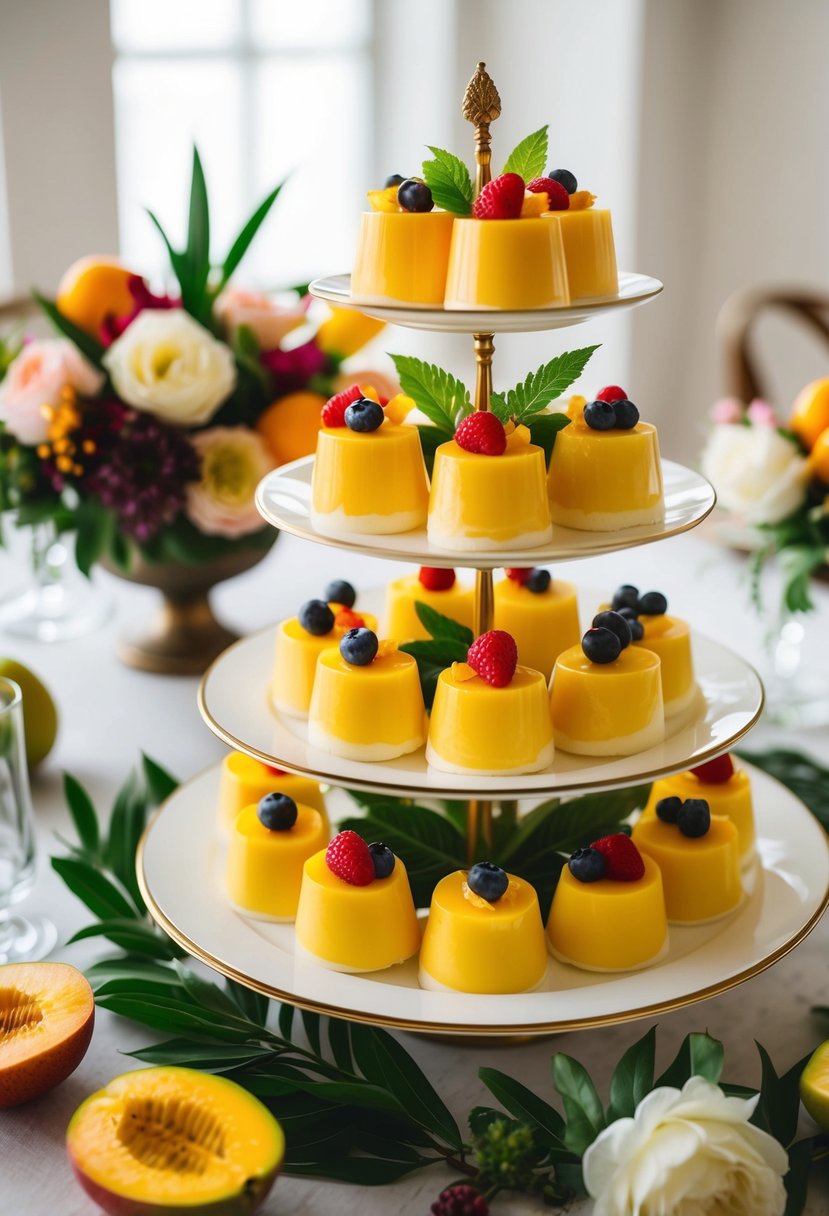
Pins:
x,y
21,939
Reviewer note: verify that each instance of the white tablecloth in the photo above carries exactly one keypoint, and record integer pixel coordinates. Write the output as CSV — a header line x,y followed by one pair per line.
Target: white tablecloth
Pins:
x,y
109,714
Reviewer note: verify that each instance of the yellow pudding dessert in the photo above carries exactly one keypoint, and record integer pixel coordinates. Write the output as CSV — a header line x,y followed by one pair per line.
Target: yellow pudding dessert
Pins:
x,y
486,943
438,589
601,479
366,703
667,636
300,640
606,700
269,844
589,251
541,614
402,254
355,907
508,264
368,482
244,780
481,501
601,922
726,790
698,856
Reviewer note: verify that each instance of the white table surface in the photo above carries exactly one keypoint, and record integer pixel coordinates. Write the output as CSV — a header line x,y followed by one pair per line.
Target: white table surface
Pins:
x,y
110,714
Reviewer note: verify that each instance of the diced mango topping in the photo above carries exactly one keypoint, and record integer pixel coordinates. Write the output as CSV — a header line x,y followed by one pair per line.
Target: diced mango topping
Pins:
x,y
575,406
581,200
518,438
461,672
385,647
399,408
534,204
368,390
384,200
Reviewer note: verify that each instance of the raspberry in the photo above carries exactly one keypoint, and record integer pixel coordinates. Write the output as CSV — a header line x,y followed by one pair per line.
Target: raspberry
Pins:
x,y
333,412
460,1200
348,857
611,393
624,861
519,574
436,580
715,772
558,197
500,199
493,656
483,433
346,619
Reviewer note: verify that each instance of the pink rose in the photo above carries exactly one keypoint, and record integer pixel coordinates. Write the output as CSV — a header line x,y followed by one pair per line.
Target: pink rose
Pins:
x,y
234,461
34,381
760,413
727,411
268,321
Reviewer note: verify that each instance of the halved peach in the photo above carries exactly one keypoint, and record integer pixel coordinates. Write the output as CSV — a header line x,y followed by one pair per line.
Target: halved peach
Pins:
x,y
46,1016
166,1140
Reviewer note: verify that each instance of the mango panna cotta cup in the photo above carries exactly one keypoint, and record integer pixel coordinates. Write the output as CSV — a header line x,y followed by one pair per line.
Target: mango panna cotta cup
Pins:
x,y
607,709
368,482
510,264
589,251
244,781
263,872
731,799
472,945
543,624
295,663
402,594
599,481
670,638
402,257
355,928
700,875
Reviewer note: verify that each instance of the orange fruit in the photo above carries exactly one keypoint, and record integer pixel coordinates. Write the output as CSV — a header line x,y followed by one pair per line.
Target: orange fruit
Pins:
x,y
810,414
289,426
92,288
819,458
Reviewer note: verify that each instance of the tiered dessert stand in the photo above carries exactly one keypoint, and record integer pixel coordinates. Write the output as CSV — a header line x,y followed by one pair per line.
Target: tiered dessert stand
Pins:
x,y
787,889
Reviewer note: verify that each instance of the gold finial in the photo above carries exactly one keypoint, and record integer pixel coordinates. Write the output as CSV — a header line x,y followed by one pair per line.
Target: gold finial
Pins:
x,y
481,106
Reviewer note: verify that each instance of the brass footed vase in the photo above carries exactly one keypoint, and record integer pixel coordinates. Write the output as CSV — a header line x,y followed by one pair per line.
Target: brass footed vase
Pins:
x,y
184,636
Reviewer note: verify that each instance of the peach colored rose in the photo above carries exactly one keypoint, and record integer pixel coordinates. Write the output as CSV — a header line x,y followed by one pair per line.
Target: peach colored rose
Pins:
x,y
760,413
726,411
234,461
34,380
268,321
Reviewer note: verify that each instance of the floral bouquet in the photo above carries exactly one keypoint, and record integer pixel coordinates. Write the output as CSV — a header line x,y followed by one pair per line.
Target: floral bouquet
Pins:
x,y
774,477
146,426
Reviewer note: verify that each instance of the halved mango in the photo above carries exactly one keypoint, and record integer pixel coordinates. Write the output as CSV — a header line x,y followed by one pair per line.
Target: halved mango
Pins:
x,y
46,1016
814,1086
165,1140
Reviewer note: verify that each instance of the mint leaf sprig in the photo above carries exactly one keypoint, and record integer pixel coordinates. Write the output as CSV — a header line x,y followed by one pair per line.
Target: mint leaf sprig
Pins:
x,y
529,157
448,643
533,394
448,179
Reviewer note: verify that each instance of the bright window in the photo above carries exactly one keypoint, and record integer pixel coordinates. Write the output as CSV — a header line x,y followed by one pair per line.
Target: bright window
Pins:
x,y
268,89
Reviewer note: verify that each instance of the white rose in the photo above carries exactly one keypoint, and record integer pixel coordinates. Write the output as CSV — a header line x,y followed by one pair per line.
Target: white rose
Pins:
x,y
688,1152
167,364
755,472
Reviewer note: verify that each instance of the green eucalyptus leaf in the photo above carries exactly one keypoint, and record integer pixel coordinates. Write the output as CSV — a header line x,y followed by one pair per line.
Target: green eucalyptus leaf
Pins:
x,y
582,1106
160,783
632,1077
699,1055
82,810
524,1104
99,893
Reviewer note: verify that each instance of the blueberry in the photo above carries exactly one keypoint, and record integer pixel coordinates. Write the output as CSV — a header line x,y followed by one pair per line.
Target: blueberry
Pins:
x,y
637,631
538,580
601,645
627,415
364,415
277,812
600,415
316,617
396,179
653,603
565,178
625,597
383,859
587,865
487,880
667,809
694,817
414,195
616,623
359,646
341,592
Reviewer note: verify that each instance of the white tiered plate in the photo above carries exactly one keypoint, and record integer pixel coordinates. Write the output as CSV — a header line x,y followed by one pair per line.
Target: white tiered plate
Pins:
x,y
234,701
787,898
283,497
634,289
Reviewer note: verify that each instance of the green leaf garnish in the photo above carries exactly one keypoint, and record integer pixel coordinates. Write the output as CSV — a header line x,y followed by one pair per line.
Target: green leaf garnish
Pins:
x,y
541,387
698,1055
529,158
582,1106
448,179
88,346
543,431
632,1077
249,230
448,644
437,393
431,437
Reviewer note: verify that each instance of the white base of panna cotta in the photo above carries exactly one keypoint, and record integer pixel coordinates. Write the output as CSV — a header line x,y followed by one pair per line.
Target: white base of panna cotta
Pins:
x,y
543,760
363,752
430,984
301,952
710,920
480,544
288,711
606,521
352,527
621,745
571,962
682,706
250,914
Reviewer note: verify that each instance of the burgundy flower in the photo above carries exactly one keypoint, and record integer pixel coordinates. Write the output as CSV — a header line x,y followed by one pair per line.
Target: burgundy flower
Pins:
x,y
113,326
292,369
